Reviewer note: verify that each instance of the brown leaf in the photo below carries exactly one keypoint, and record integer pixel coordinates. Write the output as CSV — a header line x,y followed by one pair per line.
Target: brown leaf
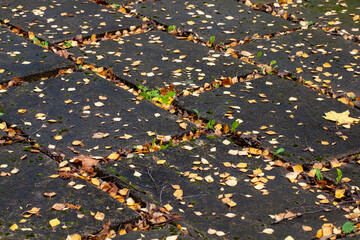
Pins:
x,y
87,162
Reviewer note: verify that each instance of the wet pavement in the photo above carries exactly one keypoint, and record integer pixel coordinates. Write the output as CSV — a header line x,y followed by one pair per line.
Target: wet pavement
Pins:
x,y
179,120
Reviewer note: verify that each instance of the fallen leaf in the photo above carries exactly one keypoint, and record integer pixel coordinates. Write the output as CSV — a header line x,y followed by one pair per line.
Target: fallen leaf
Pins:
x,y
99,216
268,231
58,206
306,228
73,237
339,193
54,222
178,194
14,227
340,118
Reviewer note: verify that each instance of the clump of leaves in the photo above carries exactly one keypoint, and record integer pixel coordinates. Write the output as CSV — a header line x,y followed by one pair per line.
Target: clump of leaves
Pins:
x,y
210,124
155,94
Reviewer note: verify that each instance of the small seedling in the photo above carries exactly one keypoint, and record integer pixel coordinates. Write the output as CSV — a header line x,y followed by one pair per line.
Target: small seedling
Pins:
x,y
171,28
196,111
280,150
272,64
310,23
339,175
258,55
210,124
212,40
348,227
318,174
234,126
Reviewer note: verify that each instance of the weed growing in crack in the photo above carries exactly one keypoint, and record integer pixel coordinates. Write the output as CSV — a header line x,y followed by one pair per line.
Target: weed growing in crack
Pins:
x,y
210,124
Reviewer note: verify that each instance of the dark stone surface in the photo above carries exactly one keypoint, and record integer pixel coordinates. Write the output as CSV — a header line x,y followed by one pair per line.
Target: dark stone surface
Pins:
x,y
155,50
57,21
332,13
22,59
22,191
296,125
227,20
253,206
81,119
321,48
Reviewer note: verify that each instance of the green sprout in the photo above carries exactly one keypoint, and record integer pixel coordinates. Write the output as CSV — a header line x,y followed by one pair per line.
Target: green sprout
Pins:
x,y
196,111
280,150
212,39
210,124
318,174
171,28
234,126
339,175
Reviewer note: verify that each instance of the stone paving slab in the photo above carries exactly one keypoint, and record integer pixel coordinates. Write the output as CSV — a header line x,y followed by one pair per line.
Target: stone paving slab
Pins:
x,y
22,59
284,113
57,21
206,170
25,179
87,109
158,59
313,54
227,20
333,13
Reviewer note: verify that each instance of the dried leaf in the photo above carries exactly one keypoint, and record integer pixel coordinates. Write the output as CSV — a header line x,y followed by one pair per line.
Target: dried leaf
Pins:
x,y
54,222
340,118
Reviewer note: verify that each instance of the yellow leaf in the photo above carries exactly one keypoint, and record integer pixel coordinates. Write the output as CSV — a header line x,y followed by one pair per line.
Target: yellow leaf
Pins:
x,y
306,228
252,101
356,17
58,137
2,125
178,194
99,216
319,233
31,35
161,161
54,222
77,143
14,227
95,181
122,232
113,156
190,22
326,65
21,110
74,237
339,193
298,169
340,118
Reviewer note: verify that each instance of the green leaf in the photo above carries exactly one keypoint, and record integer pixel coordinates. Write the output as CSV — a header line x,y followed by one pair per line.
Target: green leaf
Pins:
x,y
1,113
318,174
197,113
348,227
339,175
212,39
210,124
280,150
234,126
